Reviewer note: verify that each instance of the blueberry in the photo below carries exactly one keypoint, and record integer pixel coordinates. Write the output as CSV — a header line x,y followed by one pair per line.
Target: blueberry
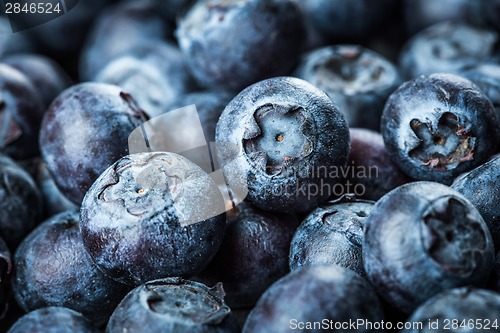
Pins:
x,y
209,105
154,73
173,305
253,254
332,234
438,126
372,172
289,136
230,44
52,268
5,271
446,47
21,111
480,187
84,131
421,239
313,296
44,73
464,309
152,215
20,202
420,14
118,29
53,320
356,78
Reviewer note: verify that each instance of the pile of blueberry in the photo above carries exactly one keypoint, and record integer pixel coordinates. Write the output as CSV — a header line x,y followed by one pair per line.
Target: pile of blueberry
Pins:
x,y
348,179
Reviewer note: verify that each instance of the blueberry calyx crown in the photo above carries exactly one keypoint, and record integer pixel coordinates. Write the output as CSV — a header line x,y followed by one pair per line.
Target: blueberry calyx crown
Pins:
x,y
452,237
186,299
280,137
444,147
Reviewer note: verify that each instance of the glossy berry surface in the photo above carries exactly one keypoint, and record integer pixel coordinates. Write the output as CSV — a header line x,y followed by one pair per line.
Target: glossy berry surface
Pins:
x,y
481,187
230,44
152,215
52,268
466,305
173,305
329,291
287,135
253,254
357,79
423,238
84,131
438,126
332,234
53,320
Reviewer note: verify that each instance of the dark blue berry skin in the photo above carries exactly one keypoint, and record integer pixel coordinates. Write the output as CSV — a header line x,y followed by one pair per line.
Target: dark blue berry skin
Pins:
x,y
118,29
21,111
52,268
347,20
253,254
20,202
446,47
311,294
288,135
357,79
438,126
150,216
375,173
209,105
423,238
487,77
154,73
84,131
332,234
231,44
53,320
420,14
173,305
5,271
45,74
481,187
476,307
54,201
